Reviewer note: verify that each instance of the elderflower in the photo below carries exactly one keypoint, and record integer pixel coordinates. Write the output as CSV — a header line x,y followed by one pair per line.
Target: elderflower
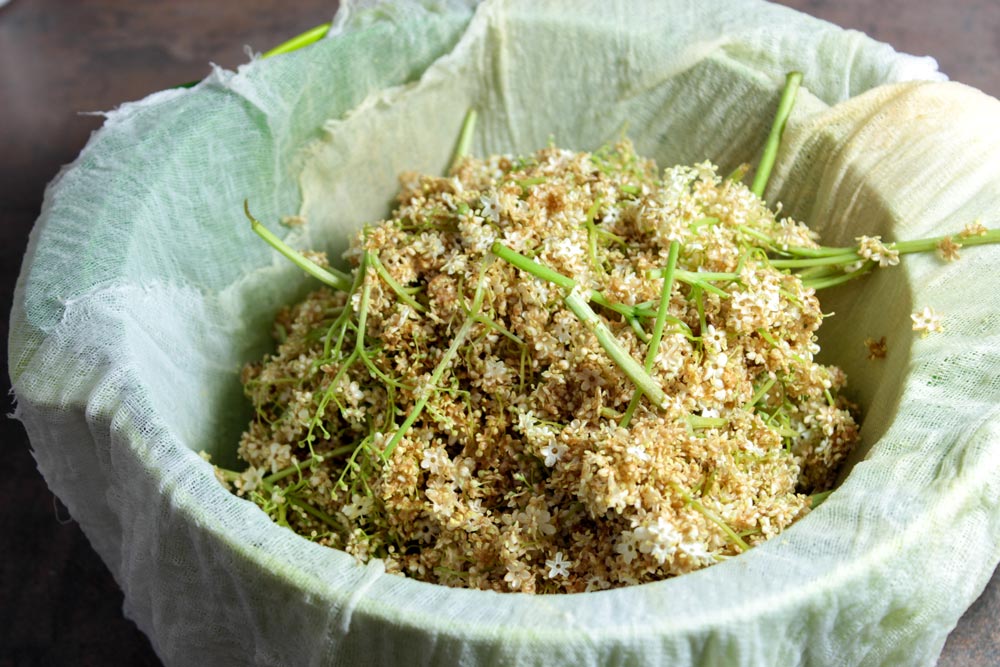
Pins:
x,y
359,507
658,539
470,423
553,452
948,249
490,209
871,247
926,321
974,228
558,566
518,575
627,547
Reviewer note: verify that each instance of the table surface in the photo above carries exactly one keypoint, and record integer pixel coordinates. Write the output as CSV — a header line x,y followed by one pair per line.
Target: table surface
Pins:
x,y
58,603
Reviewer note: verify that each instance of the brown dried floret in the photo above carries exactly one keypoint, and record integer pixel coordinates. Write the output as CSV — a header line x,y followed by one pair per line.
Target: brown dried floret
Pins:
x,y
518,469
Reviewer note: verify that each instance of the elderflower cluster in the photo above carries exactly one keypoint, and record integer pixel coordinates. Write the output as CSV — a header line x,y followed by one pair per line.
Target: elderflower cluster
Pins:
x,y
451,416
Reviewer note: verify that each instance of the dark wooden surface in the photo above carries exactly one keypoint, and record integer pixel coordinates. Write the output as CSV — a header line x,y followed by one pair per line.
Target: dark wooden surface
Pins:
x,y
58,602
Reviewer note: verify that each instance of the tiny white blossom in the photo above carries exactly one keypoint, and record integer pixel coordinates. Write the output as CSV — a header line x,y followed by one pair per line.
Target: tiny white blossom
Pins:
x,y
558,567
495,372
457,263
611,215
491,208
434,460
596,583
658,539
639,452
553,452
251,478
360,506
926,321
697,552
871,247
525,420
715,339
517,575
626,547
540,518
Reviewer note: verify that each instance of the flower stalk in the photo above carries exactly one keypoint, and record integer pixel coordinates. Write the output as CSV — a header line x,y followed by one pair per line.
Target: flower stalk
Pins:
x,y
785,104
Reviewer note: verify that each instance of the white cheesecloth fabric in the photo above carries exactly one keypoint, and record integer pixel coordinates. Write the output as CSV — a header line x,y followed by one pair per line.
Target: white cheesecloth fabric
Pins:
x,y
144,291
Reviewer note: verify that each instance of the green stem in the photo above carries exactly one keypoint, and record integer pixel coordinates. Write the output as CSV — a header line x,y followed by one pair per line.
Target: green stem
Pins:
x,y
658,325
393,284
640,333
694,276
499,328
545,273
305,39
925,245
817,499
830,260
713,517
292,469
578,304
636,373
464,138
697,422
802,251
823,283
333,277
816,272
792,82
439,370
314,511
827,256
759,394
703,222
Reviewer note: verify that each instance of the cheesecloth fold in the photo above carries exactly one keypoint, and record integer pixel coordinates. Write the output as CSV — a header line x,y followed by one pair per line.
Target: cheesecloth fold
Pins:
x,y
144,291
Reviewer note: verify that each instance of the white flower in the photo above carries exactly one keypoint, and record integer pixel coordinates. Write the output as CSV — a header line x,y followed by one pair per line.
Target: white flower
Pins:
x,y
457,263
626,547
495,372
697,552
553,452
659,539
871,247
540,519
595,583
558,567
525,420
568,251
926,321
360,506
250,479
353,393
715,339
491,208
443,498
425,532
639,452
434,460
975,228
517,575
611,215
